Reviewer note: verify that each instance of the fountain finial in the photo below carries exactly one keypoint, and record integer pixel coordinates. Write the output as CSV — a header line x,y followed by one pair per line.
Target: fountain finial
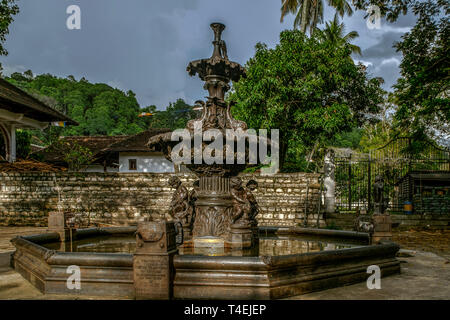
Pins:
x,y
218,66
220,49
218,29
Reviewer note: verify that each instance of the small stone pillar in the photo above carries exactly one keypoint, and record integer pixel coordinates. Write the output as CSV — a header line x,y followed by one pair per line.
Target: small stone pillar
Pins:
x,y
382,227
153,270
57,222
329,182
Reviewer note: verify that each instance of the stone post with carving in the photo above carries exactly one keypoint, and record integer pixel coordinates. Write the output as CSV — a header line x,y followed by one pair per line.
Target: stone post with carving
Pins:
x,y
329,182
58,222
153,270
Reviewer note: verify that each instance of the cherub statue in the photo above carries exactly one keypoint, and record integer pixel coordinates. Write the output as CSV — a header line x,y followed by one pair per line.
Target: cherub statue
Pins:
x,y
251,186
223,49
179,207
194,192
241,205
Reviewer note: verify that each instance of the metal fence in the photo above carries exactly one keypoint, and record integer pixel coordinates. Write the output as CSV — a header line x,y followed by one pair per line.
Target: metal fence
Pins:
x,y
355,173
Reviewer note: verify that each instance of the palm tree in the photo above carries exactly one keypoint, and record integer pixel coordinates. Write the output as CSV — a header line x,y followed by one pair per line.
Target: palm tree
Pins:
x,y
310,12
342,7
334,34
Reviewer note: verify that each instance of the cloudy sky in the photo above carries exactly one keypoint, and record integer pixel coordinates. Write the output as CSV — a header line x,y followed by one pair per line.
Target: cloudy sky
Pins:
x,y
145,46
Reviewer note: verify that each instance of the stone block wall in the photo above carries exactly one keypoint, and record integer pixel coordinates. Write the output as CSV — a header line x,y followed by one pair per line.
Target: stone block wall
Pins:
x,y
432,204
125,198
345,221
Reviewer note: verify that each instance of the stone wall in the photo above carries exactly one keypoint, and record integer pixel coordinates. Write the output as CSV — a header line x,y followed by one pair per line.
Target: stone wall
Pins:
x,y
434,203
125,198
345,221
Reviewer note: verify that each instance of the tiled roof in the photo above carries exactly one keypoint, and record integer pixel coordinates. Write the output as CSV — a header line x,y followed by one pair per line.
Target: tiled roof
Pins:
x,y
102,145
95,144
136,143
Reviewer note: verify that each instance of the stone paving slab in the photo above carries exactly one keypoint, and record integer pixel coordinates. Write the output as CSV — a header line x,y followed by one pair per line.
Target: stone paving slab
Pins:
x,y
424,276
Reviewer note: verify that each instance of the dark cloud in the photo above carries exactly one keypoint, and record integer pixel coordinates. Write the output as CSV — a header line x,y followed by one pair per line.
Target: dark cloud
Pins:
x,y
145,46
384,48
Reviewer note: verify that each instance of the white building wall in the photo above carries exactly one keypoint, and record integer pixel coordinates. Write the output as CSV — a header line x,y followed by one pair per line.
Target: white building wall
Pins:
x,y
146,162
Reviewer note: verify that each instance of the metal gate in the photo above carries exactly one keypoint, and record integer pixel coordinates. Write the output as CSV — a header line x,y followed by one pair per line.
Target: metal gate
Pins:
x,y
355,173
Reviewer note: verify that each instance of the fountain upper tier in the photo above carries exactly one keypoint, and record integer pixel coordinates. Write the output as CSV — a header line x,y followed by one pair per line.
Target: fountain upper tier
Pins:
x,y
217,71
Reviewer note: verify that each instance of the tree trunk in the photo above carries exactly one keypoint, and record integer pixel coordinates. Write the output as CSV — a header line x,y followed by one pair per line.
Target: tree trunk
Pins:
x,y
304,21
314,18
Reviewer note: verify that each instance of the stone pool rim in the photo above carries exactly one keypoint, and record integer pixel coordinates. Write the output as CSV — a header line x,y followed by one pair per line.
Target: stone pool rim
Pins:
x,y
206,277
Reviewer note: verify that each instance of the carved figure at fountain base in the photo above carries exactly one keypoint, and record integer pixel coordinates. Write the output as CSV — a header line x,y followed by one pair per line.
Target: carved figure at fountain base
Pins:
x,y
181,208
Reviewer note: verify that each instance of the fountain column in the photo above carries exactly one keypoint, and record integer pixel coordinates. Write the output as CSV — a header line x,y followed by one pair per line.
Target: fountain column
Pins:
x,y
221,212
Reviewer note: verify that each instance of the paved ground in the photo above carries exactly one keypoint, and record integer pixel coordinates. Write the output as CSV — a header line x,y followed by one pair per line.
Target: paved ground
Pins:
x,y
7,233
425,274
437,241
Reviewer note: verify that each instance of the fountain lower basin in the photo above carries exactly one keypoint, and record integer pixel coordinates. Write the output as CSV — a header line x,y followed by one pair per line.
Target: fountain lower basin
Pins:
x,y
316,259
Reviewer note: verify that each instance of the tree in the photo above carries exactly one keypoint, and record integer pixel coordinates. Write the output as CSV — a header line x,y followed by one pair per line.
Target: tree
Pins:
x,y
350,139
310,12
28,74
23,142
307,88
334,33
8,8
379,131
174,117
422,93
76,156
391,9
98,108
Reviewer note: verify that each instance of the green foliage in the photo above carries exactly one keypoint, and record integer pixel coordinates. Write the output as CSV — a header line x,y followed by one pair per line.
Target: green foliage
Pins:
x,y
307,88
309,13
334,34
23,143
98,108
8,8
332,226
174,117
350,139
375,135
391,9
75,155
2,148
422,91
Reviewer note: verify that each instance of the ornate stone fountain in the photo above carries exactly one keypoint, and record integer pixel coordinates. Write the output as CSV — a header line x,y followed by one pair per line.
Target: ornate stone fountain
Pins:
x,y
219,211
